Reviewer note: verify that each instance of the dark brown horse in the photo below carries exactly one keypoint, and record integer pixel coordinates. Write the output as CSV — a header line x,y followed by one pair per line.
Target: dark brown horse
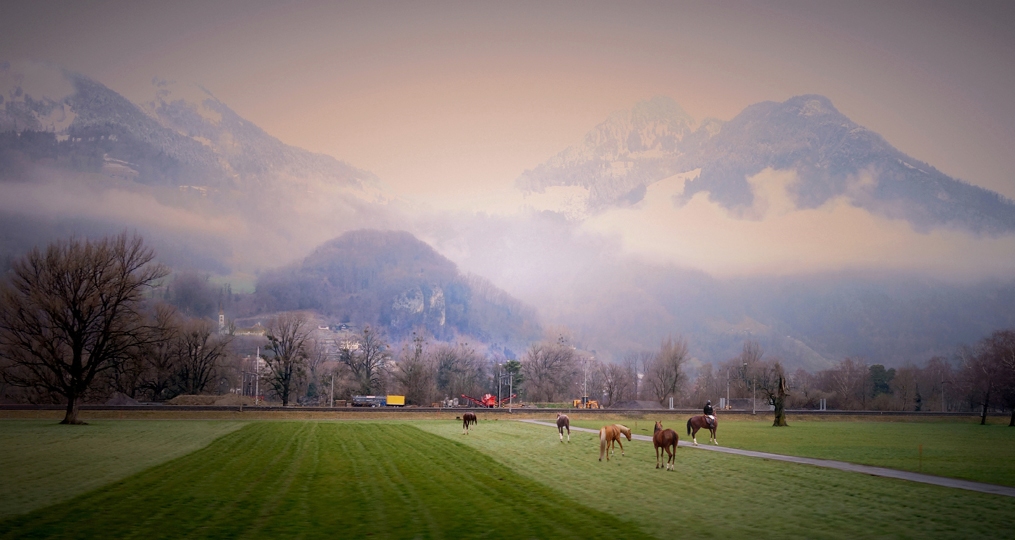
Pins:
x,y
665,439
563,422
467,420
608,435
701,421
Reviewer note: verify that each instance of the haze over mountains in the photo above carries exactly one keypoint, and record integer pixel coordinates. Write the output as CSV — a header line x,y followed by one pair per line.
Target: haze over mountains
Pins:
x,y
628,237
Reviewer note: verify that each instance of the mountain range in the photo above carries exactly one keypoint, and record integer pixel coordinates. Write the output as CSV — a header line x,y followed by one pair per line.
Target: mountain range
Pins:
x,y
832,156
216,194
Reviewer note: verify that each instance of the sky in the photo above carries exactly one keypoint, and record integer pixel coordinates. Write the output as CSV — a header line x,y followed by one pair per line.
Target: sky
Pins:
x,y
449,102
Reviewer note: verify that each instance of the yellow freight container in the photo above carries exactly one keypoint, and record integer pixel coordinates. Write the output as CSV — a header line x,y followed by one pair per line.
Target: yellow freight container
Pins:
x,y
396,401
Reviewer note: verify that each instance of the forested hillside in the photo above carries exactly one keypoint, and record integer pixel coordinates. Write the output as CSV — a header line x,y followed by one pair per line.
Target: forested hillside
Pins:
x,y
392,279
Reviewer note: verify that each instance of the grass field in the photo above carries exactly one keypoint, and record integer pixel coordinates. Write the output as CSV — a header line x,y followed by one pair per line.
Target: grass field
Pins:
x,y
424,479
43,463
954,449
318,480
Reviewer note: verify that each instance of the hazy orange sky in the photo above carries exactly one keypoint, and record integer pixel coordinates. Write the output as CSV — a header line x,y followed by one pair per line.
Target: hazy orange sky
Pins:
x,y
452,99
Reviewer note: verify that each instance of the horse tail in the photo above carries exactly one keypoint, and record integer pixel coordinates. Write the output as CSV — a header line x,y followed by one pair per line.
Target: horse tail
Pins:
x,y
602,443
688,426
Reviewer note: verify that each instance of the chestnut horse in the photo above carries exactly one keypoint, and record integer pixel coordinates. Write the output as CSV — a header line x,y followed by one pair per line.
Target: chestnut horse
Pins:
x,y
467,420
563,422
609,435
665,439
701,421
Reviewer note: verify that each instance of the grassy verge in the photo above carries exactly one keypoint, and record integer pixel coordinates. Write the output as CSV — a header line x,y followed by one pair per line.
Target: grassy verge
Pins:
x,y
954,449
324,480
44,463
722,496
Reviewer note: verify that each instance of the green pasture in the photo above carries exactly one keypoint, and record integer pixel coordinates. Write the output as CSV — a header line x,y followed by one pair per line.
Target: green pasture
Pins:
x,y
42,462
957,449
324,480
424,479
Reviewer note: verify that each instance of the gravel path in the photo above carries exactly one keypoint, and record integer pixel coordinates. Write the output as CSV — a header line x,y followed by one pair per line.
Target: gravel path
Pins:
x,y
832,464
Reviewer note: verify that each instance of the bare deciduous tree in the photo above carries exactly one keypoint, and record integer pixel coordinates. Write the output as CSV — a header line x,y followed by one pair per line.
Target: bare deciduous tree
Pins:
x,y
459,369
549,369
198,353
849,382
68,313
416,374
664,374
771,381
367,361
618,384
287,335
158,352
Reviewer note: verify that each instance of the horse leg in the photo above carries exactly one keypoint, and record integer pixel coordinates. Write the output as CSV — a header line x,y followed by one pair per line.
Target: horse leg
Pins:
x,y
714,440
621,446
561,430
694,436
568,433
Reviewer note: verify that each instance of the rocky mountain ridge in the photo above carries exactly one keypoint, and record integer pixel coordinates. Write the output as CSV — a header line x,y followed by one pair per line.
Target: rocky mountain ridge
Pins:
x,y
832,156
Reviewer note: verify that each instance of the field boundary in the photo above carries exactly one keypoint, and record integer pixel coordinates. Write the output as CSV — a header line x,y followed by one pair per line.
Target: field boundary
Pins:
x,y
942,481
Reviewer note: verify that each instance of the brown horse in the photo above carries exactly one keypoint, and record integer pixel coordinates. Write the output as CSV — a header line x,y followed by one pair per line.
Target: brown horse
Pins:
x,y
609,435
467,420
665,439
563,422
701,421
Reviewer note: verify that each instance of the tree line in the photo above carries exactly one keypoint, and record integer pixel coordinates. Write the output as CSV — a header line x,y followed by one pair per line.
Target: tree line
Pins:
x,y
84,320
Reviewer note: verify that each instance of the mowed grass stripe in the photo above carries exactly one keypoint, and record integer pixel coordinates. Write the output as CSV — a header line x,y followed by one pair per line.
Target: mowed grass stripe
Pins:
x,y
324,480
954,449
715,495
42,462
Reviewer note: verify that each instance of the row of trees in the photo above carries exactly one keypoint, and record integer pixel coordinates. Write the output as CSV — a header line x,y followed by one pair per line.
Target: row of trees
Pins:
x,y
981,379
79,319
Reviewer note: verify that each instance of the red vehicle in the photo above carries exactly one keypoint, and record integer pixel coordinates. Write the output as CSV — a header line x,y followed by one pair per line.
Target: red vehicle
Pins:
x,y
488,400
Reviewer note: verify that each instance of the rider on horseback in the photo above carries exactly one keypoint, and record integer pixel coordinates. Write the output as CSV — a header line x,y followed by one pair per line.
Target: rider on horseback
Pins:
x,y
710,413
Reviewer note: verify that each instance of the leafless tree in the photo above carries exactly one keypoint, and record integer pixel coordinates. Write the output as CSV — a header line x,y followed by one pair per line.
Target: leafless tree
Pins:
x,y
549,368
987,372
67,313
199,350
664,375
288,334
618,383
849,382
311,387
634,363
157,352
771,381
458,369
415,373
367,360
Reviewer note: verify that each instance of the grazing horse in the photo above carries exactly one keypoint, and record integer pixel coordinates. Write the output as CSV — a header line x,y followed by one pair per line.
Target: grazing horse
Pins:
x,y
701,421
609,435
665,439
467,420
563,422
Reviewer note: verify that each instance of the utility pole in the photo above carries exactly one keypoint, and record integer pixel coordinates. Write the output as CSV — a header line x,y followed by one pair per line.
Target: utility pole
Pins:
x,y
332,402
728,386
257,374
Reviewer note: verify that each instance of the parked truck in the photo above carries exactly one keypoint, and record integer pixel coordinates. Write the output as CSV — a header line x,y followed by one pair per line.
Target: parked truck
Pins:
x,y
378,401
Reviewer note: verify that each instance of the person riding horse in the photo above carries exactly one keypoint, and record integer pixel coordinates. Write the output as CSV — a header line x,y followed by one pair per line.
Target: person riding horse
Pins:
x,y
710,413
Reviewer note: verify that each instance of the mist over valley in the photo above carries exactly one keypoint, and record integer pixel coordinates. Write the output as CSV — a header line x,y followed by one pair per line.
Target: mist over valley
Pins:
x,y
788,225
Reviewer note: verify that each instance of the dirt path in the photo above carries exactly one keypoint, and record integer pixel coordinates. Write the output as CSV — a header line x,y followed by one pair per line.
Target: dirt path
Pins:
x,y
832,464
